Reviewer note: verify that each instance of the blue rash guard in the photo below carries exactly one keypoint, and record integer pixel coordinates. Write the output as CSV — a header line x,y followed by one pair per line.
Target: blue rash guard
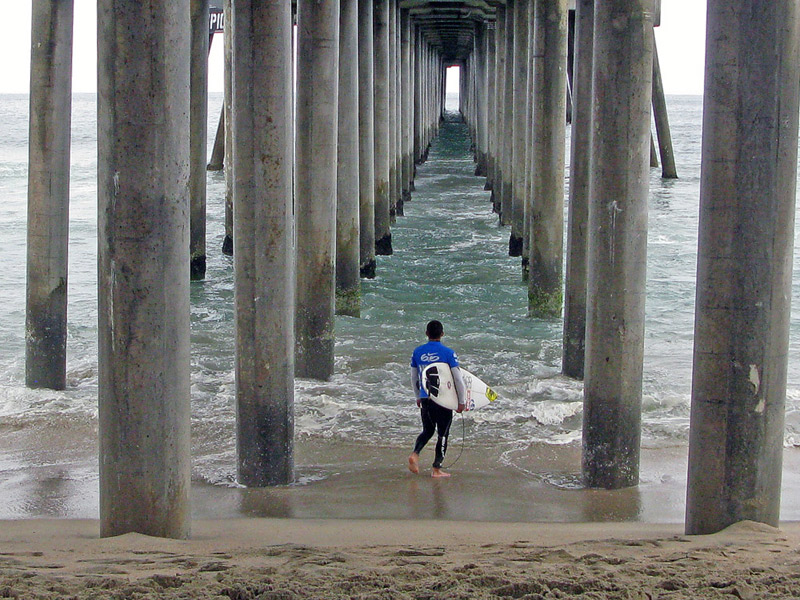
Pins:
x,y
429,353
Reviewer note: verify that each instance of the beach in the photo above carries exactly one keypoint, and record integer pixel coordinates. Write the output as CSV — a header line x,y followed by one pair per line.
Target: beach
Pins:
x,y
264,559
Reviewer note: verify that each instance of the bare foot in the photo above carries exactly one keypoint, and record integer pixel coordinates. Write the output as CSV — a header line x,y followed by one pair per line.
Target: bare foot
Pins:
x,y
413,462
439,473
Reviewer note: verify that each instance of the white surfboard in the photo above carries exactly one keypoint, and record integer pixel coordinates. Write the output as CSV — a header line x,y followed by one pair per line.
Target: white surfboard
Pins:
x,y
437,380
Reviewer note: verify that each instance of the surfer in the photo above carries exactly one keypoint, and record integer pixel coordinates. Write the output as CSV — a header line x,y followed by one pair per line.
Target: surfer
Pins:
x,y
435,418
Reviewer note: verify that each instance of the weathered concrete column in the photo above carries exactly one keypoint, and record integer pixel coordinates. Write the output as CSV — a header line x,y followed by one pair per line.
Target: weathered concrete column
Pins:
x,y
217,160
315,184
383,235
143,267
424,96
48,194
392,110
519,192
198,134
407,129
366,138
419,80
227,242
529,161
545,270
491,103
508,120
264,261
744,267
498,179
668,169
653,151
348,280
398,107
622,71
578,215
480,110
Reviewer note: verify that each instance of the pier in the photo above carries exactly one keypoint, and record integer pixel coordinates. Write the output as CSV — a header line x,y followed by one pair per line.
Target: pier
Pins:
x,y
319,168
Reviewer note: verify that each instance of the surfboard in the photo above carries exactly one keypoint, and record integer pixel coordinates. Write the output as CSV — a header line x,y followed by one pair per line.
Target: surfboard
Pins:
x,y
437,380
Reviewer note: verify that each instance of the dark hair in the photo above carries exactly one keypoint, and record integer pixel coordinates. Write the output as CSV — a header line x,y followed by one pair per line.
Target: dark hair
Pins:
x,y
434,330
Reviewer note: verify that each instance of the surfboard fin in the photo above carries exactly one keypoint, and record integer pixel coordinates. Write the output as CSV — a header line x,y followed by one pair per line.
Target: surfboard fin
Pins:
x,y
491,394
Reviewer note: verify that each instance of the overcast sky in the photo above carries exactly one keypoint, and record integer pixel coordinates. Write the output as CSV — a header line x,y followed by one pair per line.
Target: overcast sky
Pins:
x,y
680,38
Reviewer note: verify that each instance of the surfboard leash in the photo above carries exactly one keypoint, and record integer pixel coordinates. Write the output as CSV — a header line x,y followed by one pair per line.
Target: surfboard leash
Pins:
x,y
463,441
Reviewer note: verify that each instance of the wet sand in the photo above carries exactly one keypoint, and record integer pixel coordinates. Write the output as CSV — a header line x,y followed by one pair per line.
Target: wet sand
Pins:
x,y
337,480
359,525
385,559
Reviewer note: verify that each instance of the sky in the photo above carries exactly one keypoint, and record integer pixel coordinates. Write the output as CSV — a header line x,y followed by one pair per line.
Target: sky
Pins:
x,y
680,40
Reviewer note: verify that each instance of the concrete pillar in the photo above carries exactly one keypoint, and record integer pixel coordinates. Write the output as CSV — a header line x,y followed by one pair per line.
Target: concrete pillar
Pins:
x,y
398,122
491,103
519,192
744,267
429,109
668,169
264,261
217,160
348,281
392,110
424,108
198,134
480,110
315,184
578,215
508,121
529,159
545,271
419,79
48,194
571,58
366,138
407,130
143,267
653,151
383,235
498,179
622,71
227,242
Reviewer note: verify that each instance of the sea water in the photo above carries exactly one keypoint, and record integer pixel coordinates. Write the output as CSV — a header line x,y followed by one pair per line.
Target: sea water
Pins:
x,y
450,262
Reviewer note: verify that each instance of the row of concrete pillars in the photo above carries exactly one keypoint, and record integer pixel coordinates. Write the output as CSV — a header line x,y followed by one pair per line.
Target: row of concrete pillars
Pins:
x,y
514,101
318,168
293,215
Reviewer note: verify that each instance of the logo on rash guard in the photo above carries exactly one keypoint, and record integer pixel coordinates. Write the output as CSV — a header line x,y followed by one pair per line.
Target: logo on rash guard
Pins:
x,y
429,357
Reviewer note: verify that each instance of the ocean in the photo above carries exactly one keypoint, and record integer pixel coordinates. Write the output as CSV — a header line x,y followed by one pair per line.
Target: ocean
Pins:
x,y
450,262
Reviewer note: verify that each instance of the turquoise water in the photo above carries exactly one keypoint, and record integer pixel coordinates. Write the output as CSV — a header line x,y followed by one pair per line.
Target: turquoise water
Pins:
x,y
450,262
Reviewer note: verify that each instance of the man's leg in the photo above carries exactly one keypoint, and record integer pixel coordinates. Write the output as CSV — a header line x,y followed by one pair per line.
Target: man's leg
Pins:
x,y
443,418
428,428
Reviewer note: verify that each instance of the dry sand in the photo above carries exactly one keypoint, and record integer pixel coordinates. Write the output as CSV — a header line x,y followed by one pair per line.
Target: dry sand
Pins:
x,y
383,559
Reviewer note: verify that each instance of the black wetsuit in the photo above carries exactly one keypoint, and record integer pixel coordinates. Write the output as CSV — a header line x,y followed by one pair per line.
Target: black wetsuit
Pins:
x,y
435,418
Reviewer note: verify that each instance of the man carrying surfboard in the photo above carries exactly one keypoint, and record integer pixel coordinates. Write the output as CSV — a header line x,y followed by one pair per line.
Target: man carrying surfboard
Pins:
x,y
435,418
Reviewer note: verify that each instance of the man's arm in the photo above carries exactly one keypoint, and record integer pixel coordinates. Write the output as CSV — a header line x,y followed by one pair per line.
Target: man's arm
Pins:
x,y
415,383
461,388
